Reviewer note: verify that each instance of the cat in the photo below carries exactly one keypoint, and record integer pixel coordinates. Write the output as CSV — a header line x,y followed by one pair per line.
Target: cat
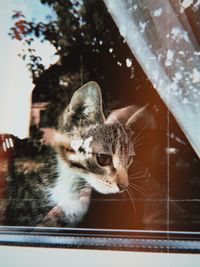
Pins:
x,y
87,152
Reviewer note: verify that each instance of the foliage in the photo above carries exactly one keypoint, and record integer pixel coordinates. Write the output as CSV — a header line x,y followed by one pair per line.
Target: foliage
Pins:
x,y
89,47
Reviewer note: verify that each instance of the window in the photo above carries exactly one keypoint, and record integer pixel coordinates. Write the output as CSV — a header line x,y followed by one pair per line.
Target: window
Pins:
x,y
150,57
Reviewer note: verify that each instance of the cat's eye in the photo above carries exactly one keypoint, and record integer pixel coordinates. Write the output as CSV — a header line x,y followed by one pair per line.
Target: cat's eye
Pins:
x,y
104,159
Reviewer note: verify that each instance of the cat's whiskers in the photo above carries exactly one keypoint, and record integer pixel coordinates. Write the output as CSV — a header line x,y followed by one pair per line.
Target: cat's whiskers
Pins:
x,y
121,207
139,139
139,175
138,135
138,188
142,179
140,144
132,199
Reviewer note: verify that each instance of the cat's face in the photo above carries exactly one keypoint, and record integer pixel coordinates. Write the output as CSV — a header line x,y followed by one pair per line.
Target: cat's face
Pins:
x,y
99,152
101,157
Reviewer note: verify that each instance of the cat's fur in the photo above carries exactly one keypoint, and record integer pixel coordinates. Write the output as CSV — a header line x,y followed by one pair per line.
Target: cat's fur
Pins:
x,y
88,152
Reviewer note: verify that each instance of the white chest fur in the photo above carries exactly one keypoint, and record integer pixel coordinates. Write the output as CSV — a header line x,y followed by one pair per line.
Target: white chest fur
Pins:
x,y
73,203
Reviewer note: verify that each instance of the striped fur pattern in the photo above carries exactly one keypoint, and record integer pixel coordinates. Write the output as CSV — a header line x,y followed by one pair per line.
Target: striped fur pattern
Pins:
x,y
90,153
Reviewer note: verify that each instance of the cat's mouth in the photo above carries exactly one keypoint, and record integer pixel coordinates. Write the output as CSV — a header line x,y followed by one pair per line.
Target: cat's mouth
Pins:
x,y
107,190
103,187
98,184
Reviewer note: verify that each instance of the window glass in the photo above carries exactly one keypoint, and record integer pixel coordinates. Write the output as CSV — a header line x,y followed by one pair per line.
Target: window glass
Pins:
x,y
64,45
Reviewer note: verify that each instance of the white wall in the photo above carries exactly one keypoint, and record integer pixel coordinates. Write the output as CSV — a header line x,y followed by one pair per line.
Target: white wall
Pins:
x,y
36,257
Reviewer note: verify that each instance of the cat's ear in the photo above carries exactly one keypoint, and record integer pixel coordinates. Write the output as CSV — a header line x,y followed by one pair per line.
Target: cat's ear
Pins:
x,y
85,107
139,119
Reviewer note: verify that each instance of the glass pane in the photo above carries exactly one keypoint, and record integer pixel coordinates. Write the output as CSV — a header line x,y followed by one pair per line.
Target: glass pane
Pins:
x,y
57,147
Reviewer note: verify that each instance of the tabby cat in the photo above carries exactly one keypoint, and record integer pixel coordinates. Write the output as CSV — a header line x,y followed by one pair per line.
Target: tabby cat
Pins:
x,y
88,152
